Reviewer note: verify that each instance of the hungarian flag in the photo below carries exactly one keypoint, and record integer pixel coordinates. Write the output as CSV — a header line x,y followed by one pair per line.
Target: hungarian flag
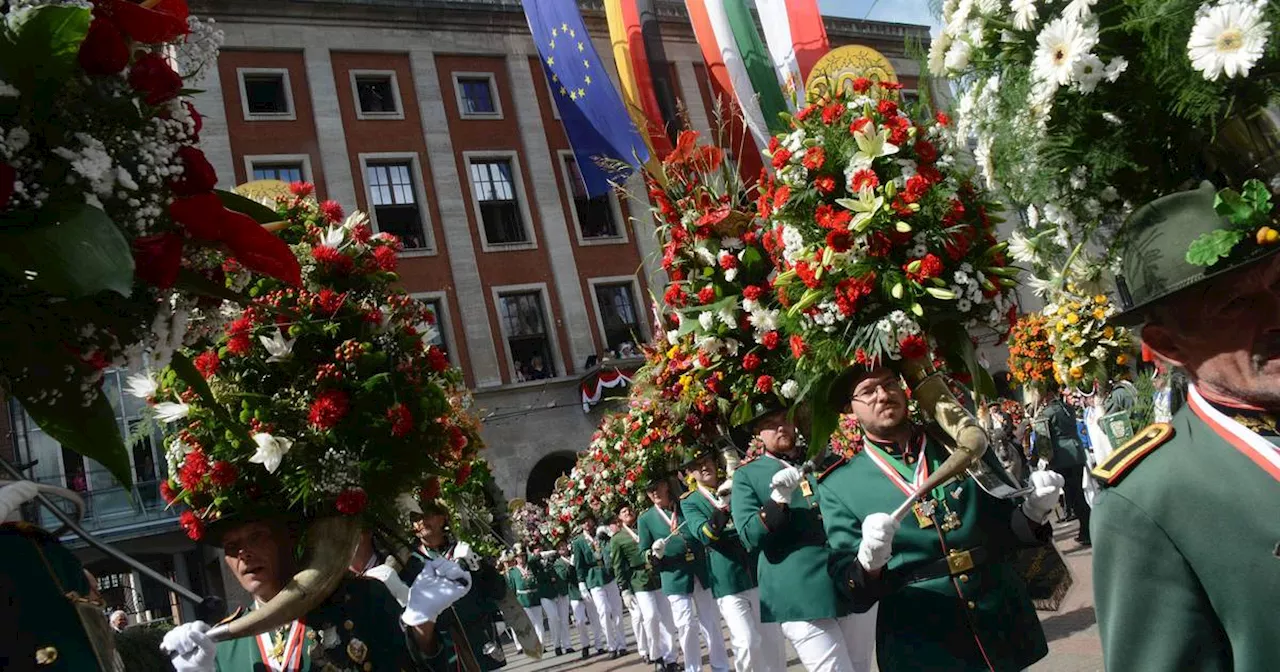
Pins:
x,y
797,38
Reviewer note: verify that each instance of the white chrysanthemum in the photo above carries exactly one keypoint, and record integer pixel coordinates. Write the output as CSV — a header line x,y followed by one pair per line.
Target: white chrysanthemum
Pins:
x,y
1025,14
141,385
1079,10
1115,68
790,389
1087,72
706,319
1061,44
168,411
990,7
957,57
1023,249
1227,39
1033,216
938,53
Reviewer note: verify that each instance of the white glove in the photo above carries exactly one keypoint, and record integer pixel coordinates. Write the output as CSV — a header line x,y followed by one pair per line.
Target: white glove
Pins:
x,y
603,533
1048,487
783,484
440,584
582,588
189,648
659,547
877,540
463,555
629,599
725,488
15,495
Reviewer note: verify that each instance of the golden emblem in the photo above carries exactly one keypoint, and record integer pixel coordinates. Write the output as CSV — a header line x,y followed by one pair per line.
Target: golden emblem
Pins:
x,y
840,66
46,656
357,651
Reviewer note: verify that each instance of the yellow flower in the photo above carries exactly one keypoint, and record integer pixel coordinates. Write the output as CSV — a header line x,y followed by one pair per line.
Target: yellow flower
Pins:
x,y
1061,327
685,380
1099,314
1077,372
1073,318
1108,332
1100,299
1122,359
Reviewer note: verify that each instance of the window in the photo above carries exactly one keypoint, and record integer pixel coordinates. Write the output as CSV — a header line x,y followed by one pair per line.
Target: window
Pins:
x,y
595,215
525,327
285,172
617,305
496,197
395,202
909,97
265,94
377,94
477,95
435,334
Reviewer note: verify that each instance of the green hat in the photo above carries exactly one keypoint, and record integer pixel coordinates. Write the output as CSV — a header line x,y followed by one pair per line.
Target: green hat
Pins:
x,y
1159,234
690,453
744,423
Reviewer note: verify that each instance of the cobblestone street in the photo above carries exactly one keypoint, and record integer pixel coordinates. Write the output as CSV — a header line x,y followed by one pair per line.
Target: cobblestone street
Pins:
x,y
1072,631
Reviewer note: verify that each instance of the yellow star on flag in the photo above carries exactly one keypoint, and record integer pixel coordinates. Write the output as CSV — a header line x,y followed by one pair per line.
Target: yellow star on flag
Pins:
x,y
571,33
553,44
551,60
564,26
564,91
588,80
554,31
555,77
573,95
581,93
586,63
580,47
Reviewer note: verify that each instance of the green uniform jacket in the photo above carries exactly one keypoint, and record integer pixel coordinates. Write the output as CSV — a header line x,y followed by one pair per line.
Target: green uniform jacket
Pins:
x,y
589,563
470,620
358,625
549,587
1187,558
35,614
606,552
526,589
1057,438
936,623
791,547
681,562
569,578
629,565
732,569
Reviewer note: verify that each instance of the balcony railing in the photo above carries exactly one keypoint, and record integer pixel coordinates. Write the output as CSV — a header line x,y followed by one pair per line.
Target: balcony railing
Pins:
x,y
116,509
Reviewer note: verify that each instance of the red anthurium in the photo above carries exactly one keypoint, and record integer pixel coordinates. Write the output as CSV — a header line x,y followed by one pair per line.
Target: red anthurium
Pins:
x,y
152,76
149,21
104,51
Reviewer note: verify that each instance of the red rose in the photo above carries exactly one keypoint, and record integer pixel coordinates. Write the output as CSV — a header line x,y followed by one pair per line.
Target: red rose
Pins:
x,y
437,359
148,22
196,119
825,184
401,420
913,346
431,490
707,294
764,384
814,157
192,524
751,362
798,347
351,501
103,51
207,363
861,85
328,409
770,340
386,258
198,175
152,76
301,189
157,259
332,259
464,473
223,474
926,152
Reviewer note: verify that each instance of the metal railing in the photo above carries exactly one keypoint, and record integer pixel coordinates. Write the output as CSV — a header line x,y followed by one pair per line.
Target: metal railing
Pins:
x,y
111,508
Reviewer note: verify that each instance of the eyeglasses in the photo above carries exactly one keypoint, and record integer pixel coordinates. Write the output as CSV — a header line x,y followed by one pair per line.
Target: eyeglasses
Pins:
x,y
872,390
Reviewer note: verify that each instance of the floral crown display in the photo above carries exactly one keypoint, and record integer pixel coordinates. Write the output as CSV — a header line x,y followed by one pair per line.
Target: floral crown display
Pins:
x,y
1030,354
319,398
111,224
472,499
1083,110
1088,353
607,476
530,525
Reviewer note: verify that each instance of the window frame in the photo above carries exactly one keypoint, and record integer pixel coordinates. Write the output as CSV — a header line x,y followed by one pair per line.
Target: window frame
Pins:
x,y
444,321
291,115
497,113
420,192
355,74
642,323
303,159
549,319
517,176
620,238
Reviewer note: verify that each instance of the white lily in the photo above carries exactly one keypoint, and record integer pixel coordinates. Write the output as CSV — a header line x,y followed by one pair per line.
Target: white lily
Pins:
x,y
872,146
335,236
141,385
864,207
279,347
168,411
271,449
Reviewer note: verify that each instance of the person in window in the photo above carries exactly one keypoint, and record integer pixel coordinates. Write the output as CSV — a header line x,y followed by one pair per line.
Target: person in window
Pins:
x,y
537,371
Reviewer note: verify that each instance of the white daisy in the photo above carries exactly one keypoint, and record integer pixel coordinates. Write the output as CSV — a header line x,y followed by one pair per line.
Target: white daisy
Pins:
x,y
1115,68
958,56
1227,39
938,53
1079,10
1061,44
1088,71
1025,14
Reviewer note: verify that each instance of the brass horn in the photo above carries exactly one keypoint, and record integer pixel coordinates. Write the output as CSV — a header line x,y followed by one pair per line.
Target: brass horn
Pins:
x,y
330,544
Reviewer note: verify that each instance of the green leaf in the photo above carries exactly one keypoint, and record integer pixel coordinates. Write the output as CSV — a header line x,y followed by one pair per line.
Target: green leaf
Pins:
x,y
1211,247
185,370
259,212
42,49
823,418
1231,205
72,251
90,431
1257,196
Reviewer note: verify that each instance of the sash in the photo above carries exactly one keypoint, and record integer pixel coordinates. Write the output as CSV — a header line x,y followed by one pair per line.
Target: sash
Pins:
x,y
634,537
1245,440
715,500
897,473
672,521
291,661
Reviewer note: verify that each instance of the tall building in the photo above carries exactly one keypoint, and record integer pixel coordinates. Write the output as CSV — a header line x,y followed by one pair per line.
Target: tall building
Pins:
x,y
434,117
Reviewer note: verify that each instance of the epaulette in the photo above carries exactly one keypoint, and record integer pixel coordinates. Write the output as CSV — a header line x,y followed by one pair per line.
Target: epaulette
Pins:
x,y
831,465
234,615
749,460
1132,452
686,493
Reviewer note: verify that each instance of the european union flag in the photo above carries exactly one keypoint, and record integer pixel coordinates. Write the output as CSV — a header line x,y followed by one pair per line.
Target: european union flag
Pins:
x,y
593,114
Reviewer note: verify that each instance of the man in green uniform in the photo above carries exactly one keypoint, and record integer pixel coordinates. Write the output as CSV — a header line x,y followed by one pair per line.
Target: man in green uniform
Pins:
x,y
359,627
576,602
549,591
683,571
1059,439
469,621
635,572
1187,565
949,597
756,645
590,561
775,510
522,581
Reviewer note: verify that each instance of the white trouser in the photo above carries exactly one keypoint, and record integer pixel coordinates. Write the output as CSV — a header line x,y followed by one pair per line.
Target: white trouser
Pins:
x,y
659,625
682,609
835,645
553,622
607,620
756,645
535,616
588,631
562,609
614,595
637,624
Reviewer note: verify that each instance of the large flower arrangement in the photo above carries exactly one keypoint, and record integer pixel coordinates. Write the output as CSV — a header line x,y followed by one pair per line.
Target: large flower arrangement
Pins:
x,y
107,205
1087,352
529,524
1085,109
473,500
880,242
1030,354
318,398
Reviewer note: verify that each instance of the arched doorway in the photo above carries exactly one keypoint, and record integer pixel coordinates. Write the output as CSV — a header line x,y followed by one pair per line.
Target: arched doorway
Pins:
x,y
542,478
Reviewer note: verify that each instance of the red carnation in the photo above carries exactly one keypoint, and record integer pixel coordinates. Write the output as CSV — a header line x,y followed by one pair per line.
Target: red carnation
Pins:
x,y
152,76
386,258
887,107
707,294
351,501
401,420
198,175
858,124
728,261
807,275
332,211
832,113
103,51
437,359
751,362
753,292
942,118
770,340
780,196
223,474
464,473
814,157
328,408
207,363
861,85
798,347
863,179
930,267
913,346
764,384
781,157
825,184
192,524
